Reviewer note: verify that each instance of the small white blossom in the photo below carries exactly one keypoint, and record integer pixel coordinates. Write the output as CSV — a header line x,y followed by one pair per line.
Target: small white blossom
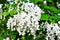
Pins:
x,y
58,22
58,5
45,2
58,14
18,39
1,5
7,38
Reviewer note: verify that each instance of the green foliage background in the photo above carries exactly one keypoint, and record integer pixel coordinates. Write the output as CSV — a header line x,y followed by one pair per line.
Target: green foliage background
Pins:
x,y
50,14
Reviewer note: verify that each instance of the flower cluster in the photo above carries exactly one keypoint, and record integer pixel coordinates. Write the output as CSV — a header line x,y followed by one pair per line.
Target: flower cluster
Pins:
x,y
53,30
27,20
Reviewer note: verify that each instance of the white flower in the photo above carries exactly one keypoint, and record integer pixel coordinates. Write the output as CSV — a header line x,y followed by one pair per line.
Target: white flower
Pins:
x,y
45,2
1,5
58,22
3,39
58,5
18,39
58,14
27,20
51,29
7,38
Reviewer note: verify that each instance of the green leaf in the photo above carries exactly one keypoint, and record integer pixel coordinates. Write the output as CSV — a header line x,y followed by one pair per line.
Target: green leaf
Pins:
x,y
50,0
1,38
12,12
